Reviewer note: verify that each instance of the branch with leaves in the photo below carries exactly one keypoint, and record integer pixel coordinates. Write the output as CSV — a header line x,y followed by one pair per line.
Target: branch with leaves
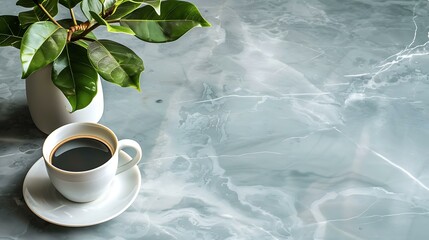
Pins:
x,y
77,56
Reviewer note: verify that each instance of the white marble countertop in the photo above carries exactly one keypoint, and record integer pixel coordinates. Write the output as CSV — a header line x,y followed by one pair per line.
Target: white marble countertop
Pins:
x,y
284,120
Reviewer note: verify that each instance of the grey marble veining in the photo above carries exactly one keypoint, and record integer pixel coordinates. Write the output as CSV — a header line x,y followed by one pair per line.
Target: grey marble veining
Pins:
x,y
286,119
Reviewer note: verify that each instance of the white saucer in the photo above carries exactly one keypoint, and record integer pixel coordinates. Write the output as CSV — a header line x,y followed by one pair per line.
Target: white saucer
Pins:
x,y
42,198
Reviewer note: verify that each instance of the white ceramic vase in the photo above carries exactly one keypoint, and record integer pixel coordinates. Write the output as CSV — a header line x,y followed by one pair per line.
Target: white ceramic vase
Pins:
x,y
50,109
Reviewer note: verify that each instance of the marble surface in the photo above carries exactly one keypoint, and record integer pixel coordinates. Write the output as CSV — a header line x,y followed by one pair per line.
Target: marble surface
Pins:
x,y
286,119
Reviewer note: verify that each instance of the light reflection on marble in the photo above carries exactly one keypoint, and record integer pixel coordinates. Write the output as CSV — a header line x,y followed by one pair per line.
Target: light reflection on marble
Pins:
x,y
285,120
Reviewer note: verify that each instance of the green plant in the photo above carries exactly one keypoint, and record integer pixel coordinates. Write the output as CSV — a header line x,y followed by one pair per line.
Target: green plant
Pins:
x,y
76,55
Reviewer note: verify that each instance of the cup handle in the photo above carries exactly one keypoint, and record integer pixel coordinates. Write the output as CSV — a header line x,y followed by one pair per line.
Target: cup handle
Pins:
x,y
128,143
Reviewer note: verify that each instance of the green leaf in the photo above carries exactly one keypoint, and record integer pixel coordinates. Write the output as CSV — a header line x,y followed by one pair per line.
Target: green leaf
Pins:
x,y
88,6
116,63
69,3
156,4
37,14
176,19
26,3
74,75
41,44
10,31
111,28
124,9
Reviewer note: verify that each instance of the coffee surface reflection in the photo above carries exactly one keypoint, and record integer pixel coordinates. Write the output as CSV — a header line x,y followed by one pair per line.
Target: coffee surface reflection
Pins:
x,y
80,154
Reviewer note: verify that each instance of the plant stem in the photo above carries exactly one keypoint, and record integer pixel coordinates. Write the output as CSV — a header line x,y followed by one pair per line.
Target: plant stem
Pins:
x,y
47,13
73,17
102,7
88,39
109,11
85,32
113,21
105,14
88,30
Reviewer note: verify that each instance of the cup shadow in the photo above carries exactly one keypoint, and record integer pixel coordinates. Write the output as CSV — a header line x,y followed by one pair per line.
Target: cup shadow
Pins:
x,y
16,123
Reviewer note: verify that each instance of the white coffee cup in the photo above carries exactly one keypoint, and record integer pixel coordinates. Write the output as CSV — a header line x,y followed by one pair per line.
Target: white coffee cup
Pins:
x,y
86,186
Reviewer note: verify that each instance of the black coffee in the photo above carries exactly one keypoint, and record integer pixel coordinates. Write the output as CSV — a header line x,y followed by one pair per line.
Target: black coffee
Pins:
x,y
81,154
